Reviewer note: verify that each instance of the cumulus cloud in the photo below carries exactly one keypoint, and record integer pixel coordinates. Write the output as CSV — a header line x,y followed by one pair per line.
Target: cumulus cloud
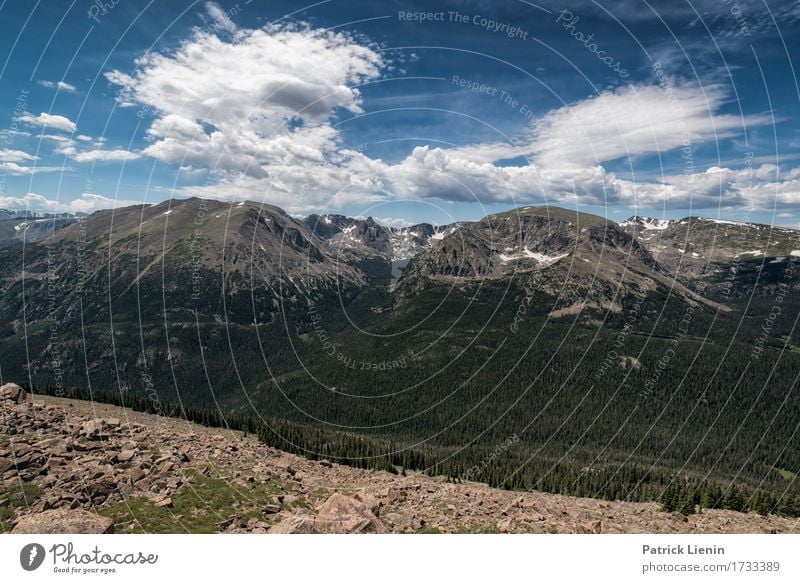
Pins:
x,y
60,85
85,203
257,105
257,110
56,122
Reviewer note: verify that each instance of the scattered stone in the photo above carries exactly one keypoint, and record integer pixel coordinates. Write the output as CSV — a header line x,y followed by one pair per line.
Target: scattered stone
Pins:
x,y
63,522
80,458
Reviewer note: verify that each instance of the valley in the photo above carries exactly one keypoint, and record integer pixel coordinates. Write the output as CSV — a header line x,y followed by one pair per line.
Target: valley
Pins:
x,y
617,363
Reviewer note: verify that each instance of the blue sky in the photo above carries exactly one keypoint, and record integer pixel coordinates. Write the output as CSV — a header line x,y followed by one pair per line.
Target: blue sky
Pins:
x,y
406,111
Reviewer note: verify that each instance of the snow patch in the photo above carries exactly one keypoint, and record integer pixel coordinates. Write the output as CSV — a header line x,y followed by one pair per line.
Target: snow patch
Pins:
x,y
647,223
540,258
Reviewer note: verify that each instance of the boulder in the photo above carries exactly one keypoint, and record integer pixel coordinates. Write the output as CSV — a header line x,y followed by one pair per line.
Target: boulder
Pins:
x,y
271,509
92,428
12,393
63,521
341,514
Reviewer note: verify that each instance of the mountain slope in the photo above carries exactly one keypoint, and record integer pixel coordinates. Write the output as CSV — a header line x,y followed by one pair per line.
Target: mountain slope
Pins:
x,y
170,476
110,294
580,256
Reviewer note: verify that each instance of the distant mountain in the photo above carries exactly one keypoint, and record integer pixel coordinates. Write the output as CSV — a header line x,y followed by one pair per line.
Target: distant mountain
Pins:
x,y
703,250
639,225
30,226
356,238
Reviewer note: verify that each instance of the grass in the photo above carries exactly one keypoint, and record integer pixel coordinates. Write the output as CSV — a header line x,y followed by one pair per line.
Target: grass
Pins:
x,y
790,345
18,496
198,507
787,475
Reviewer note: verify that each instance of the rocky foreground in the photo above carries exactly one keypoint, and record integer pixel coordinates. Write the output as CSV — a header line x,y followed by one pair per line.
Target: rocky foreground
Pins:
x,y
74,466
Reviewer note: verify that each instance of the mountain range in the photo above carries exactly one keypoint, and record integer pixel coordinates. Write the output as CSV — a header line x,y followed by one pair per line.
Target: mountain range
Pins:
x,y
619,355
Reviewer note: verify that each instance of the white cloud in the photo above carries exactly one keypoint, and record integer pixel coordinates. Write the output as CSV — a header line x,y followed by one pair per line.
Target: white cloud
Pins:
x,y
259,105
15,169
635,120
85,203
60,85
219,17
11,163
105,156
16,156
256,109
57,122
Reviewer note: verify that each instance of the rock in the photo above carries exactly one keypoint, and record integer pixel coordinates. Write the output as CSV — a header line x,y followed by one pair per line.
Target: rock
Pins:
x,y
125,455
271,509
165,502
344,515
402,522
295,524
504,526
102,486
12,393
595,527
284,464
288,499
91,429
370,501
63,522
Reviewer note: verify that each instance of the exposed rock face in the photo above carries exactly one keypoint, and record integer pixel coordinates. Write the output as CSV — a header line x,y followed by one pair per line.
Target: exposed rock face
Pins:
x,y
64,522
343,515
12,393
353,239
86,457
